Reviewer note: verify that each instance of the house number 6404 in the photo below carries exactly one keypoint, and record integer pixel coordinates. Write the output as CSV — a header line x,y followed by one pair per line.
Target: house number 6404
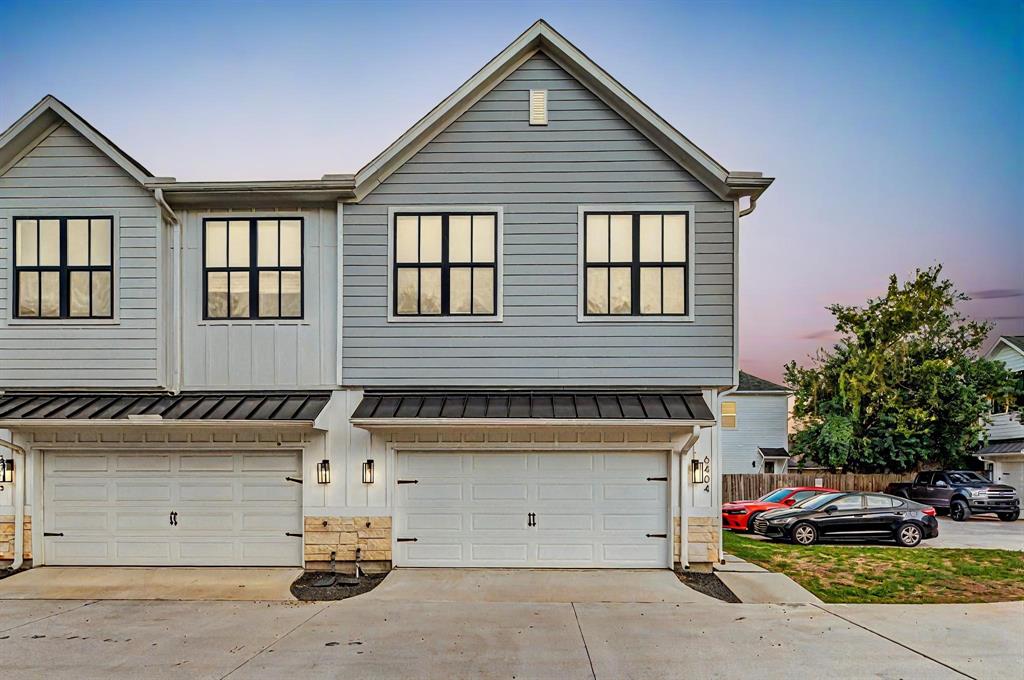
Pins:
x,y
707,474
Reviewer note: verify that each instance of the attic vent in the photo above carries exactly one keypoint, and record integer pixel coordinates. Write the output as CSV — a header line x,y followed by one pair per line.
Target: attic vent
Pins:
x,y
538,107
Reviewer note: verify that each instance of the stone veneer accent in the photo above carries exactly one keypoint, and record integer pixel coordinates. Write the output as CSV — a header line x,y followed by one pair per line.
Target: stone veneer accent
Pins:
x,y
702,535
363,539
7,537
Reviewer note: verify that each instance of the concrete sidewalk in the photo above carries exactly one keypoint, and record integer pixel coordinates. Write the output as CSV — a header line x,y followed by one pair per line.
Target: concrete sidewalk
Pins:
x,y
149,583
756,585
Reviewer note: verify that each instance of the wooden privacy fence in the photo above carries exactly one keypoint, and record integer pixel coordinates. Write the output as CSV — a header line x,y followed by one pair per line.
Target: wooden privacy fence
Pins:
x,y
748,487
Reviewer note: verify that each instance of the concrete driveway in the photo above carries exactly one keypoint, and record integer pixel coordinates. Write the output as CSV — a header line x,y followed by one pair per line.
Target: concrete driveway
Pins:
x,y
447,633
983,531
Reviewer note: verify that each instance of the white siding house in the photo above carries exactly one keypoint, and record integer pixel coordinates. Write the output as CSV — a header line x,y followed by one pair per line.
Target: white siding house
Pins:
x,y
754,424
452,357
1004,453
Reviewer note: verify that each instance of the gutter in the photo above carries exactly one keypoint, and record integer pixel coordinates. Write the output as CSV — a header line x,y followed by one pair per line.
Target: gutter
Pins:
x,y
19,505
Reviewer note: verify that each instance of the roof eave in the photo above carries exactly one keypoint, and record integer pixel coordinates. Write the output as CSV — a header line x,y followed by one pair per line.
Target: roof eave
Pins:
x,y
385,423
337,188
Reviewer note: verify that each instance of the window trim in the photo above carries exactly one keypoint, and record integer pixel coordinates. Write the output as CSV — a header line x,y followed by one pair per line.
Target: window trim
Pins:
x,y
8,220
499,274
253,270
581,267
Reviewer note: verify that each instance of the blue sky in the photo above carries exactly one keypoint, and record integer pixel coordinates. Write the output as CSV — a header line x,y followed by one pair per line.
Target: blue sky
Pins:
x,y
895,129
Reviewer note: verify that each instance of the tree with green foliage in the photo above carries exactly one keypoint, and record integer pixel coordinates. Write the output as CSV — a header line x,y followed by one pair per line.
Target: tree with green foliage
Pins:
x,y
905,385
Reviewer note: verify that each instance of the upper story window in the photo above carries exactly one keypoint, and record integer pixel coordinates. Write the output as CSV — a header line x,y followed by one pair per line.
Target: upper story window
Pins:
x,y
63,267
445,264
729,414
635,263
252,268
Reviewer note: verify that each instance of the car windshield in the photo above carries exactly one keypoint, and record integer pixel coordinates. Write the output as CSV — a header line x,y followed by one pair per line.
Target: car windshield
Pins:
x,y
815,502
966,477
775,496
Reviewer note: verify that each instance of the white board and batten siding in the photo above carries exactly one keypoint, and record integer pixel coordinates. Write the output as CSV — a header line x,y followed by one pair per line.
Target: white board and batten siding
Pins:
x,y
66,176
762,420
267,353
491,155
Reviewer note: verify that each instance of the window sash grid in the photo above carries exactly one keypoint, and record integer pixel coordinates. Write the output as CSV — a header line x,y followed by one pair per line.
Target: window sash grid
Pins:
x,y
445,266
254,269
636,265
63,269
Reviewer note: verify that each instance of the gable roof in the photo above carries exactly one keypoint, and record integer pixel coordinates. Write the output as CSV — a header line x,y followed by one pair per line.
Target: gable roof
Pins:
x,y
1012,341
751,383
42,118
542,37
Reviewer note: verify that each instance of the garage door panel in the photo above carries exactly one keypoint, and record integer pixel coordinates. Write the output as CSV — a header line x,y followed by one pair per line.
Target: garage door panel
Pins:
x,y
499,492
153,463
233,509
147,492
90,492
84,522
206,463
430,492
499,463
591,509
505,553
154,522
147,551
432,521
77,463
262,492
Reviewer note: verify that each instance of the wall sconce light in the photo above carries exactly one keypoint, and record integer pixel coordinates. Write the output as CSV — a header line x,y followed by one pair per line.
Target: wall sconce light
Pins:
x,y
368,471
6,471
323,472
696,471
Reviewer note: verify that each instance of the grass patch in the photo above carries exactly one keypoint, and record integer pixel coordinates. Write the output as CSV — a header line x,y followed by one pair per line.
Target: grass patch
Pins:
x,y
856,573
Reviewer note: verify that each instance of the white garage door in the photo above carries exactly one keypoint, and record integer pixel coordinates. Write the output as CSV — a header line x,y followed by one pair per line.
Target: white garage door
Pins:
x,y
232,508
1012,474
532,510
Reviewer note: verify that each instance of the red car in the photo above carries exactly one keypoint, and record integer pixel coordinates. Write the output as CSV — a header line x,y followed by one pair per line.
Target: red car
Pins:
x,y
739,515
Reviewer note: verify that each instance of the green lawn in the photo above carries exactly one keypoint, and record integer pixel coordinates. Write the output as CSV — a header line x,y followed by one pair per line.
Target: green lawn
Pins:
x,y
857,573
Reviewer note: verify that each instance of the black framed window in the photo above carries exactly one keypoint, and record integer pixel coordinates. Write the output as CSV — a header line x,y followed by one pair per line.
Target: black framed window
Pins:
x,y
635,264
445,264
63,267
253,268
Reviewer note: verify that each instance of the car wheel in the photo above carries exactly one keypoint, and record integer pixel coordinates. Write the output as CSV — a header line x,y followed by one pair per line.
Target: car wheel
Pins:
x,y
750,522
959,511
1010,516
909,535
804,534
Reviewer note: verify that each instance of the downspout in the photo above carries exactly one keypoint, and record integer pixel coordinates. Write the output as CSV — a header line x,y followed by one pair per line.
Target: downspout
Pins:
x,y
750,208
19,504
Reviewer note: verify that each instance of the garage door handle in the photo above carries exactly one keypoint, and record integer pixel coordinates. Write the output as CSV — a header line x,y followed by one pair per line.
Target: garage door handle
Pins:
x,y
408,481
657,535
406,540
657,479
291,533
52,533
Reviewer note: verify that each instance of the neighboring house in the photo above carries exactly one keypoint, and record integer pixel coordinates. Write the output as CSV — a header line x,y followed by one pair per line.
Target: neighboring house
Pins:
x,y
501,343
1004,453
754,423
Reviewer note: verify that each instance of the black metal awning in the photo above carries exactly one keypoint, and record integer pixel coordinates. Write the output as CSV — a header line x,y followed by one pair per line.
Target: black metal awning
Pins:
x,y
242,406
662,407
1003,446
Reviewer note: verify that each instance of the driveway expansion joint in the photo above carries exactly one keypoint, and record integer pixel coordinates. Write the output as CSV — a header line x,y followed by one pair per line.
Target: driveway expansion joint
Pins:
x,y
48,616
279,638
896,642
584,639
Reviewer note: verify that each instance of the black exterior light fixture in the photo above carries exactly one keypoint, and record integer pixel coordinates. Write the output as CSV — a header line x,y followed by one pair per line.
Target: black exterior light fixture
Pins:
x,y
696,471
6,471
323,472
368,471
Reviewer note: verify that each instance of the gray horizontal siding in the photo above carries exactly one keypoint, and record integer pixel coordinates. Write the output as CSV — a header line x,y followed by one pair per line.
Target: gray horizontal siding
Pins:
x,y
490,156
62,175
265,355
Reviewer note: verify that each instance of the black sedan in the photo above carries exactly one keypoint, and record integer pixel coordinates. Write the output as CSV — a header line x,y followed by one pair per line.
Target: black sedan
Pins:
x,y
851,516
